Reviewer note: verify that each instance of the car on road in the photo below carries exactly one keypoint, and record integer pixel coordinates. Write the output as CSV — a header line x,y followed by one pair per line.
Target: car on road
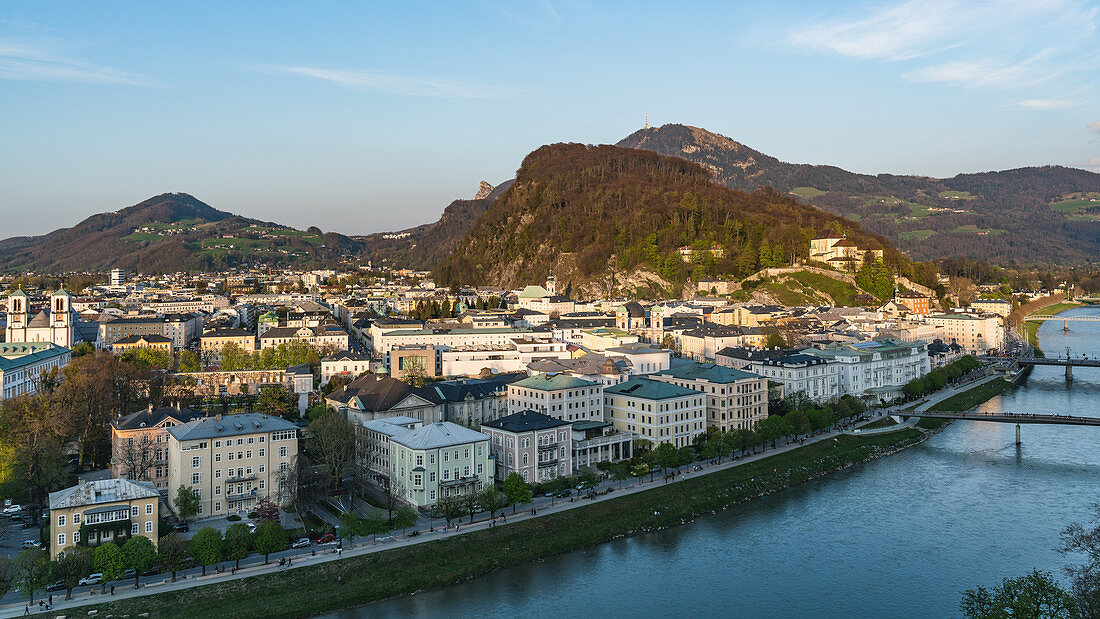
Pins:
x,y
302,543
324,539
13,509
696,467
181,527
91,579
130,573
57,586
31,543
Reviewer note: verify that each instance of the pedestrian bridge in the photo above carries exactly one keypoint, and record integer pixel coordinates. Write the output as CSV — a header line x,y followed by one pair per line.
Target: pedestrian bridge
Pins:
x,y
1016,418
1081,362
1037,317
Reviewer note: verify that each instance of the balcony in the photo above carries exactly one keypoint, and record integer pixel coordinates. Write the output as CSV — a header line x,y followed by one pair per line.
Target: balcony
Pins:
x,y
548,463
234,480
461,481
548,447
237,497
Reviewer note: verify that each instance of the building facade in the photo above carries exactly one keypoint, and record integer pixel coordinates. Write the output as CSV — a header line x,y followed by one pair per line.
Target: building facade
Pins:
x,y
102,511
656,411
535,446
439,460
139,444
734,398
558,395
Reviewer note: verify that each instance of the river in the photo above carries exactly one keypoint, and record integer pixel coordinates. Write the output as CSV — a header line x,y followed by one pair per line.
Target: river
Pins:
x,y
897,537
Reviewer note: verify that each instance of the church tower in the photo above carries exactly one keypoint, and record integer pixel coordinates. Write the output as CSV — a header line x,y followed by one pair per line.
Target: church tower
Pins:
x,y
551,284
17,317
61,319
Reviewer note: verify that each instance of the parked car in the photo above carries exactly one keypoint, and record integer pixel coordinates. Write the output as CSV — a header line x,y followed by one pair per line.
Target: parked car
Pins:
x,y
13,509
130,573
697,467
302,543
57,586
182,527
324,539
93,579
31,543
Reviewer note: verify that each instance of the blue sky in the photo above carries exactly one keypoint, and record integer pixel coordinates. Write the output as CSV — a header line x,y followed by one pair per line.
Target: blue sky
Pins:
x,y
362,117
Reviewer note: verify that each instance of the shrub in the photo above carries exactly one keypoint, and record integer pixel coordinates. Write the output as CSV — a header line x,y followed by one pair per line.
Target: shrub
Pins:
x,y
233,518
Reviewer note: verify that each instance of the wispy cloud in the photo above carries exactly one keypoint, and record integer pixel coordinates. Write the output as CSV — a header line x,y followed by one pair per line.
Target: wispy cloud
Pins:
x,y
1092,163
1047,104
1094,126
978,43
45,63
394,84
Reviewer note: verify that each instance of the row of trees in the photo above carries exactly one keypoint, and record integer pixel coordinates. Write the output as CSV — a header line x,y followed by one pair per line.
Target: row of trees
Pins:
x,y
234,358
937,378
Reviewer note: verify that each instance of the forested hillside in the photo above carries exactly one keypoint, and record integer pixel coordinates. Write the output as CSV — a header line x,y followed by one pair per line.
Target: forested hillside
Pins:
x,y
595,214
1030,215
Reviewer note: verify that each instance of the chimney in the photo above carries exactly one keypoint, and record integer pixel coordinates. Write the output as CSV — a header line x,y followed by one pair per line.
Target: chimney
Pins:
x,y
150,407
178,405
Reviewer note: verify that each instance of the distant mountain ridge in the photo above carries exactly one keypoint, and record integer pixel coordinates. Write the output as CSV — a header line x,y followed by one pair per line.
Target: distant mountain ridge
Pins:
x,y
991,215
166,233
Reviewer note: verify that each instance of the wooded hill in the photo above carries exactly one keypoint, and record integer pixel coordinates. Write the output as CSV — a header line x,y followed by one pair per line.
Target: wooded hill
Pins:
x,y
168,233
598,213
1004,217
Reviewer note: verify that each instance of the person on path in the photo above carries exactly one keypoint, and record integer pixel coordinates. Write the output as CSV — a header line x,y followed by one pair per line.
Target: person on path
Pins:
x,y
27,609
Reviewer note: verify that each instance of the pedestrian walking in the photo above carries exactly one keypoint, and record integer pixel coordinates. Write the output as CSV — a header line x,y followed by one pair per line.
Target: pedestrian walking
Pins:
x,y
50,603
112,589
27,609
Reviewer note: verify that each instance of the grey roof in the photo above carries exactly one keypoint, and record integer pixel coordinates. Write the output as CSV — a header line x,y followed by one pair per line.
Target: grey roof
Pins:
x,y
525,421
102,491
436,435
553,382
149,418
391,426
650,389
229,425
706,371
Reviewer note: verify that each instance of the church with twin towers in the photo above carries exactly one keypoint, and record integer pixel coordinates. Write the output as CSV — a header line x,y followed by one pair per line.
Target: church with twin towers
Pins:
x,y
53,323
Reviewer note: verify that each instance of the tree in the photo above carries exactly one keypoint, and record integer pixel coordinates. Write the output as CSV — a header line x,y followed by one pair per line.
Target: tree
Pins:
x,y
173,550
109,561
238,541
72,566
775,340
189,361
331,443
685,456
270,537
374,526
772,429
1035,595
391,496
517,490
206,547
797,422
492,500
667,456
620,472
29,570
405,518
275,400
450,508
187,502
351,526
36,428
469,501
139,554
1079,539
136,458
266,510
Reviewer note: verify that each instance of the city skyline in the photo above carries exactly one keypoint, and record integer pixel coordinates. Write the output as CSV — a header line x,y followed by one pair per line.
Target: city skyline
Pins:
x,y
334,116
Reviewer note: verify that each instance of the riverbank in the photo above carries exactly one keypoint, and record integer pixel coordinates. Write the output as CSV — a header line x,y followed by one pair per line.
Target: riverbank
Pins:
x,y
380,575
1031,329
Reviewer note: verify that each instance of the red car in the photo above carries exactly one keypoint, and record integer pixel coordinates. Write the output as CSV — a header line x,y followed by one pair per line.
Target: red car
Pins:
x,y
326,539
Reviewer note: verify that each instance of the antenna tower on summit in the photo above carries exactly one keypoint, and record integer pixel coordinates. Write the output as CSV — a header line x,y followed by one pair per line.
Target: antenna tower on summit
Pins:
x,y
646,121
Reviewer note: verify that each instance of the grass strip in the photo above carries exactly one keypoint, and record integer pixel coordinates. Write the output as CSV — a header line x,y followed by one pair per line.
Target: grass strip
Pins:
x,y
885,422
972,397
377,576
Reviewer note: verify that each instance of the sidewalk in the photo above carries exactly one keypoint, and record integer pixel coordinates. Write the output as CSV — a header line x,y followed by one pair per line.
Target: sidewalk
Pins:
x,y
82,598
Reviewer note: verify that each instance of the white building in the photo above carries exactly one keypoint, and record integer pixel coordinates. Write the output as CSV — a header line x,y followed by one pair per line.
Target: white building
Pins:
x,y
875,370
53,324
997,307
22,366
438,460
345,363
733,398
536,446
814,376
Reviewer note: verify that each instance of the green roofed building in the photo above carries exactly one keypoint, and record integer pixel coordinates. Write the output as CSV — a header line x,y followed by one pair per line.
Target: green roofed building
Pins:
x,y
734,398
657,411
560,396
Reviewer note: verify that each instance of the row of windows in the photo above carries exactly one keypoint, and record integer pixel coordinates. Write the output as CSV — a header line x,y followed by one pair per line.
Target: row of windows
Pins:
x,y
134,511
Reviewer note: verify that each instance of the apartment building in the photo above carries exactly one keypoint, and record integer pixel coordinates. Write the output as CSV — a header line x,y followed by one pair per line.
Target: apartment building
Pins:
x,y
877,369
212,342
22,365
733,398
558,395
977,333
139,444
232,461
536,446
101,511
657,411
814,376
438,460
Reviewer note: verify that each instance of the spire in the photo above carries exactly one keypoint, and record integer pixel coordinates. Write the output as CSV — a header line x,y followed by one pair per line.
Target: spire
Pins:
x,y
647,121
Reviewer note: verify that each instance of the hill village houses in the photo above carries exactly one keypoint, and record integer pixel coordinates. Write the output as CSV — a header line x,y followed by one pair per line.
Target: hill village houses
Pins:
x,y
541,385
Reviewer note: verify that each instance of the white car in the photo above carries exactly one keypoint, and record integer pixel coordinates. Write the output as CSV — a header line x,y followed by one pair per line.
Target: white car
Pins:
x,y
302,543
31,543
93,579
13,509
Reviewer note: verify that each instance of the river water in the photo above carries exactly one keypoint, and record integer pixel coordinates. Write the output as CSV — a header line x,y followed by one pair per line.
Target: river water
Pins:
x,y
898,537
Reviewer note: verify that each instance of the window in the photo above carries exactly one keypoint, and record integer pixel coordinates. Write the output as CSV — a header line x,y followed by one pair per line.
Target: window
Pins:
x,y
134,528
248,454
240,455
283,451
231,456
195,462
466,453
133,510
76,537
262,439
262,484
148,526
432,493
76,518
283,466
195,478
251,440
148,508
61,520
240,441
217,490
217,457
431,477
60,539
217,474
261,452
261,468
419,460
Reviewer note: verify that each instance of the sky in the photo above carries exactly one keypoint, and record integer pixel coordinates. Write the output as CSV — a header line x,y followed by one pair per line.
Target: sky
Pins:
x,y
361,117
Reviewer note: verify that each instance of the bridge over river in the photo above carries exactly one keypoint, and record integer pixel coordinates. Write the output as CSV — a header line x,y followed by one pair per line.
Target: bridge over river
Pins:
x,y
1004,417
1068,362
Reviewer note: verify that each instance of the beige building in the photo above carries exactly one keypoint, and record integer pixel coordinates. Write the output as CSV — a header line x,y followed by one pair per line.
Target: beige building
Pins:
x,y
212,342
105,510
232,461
734,398
977,333
139,444
656,411
134,342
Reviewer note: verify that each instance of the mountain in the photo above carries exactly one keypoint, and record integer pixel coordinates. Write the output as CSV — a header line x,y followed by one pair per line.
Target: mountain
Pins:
x,y
1045,214
612,220
424,246
167,233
